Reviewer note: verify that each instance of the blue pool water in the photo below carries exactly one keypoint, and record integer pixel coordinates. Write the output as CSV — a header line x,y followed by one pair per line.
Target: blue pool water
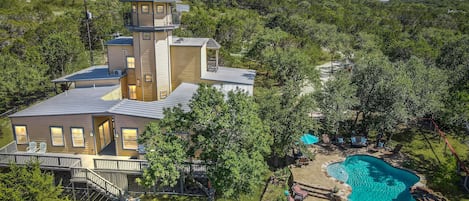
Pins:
x,y
309,139
372,179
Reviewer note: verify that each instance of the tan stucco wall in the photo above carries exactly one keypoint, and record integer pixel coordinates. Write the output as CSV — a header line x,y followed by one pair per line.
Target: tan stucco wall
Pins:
x,y
117,56
185,65
124,121
97,83
38,130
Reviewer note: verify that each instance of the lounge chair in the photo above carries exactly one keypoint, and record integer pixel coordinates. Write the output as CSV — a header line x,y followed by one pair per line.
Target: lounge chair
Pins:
x,y
396,150
340,140
298,192
32,148
358,141
42,148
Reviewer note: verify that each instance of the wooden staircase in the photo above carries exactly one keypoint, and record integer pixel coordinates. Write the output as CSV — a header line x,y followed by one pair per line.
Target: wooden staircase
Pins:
x,y
316,191
101,189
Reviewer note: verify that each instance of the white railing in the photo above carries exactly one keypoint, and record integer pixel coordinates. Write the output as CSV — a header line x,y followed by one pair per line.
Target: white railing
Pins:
x,y
44,160
195,167
9,148
122,165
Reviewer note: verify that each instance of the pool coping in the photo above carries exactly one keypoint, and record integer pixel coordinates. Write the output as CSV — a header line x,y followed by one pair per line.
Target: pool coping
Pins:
x,y
345,194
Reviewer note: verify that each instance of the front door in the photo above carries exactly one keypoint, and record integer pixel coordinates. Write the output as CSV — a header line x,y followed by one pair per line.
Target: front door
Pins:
x,y
104,131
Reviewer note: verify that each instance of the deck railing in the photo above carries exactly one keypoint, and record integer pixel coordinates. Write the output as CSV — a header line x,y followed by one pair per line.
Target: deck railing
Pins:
x,y
44,160
121,165
9,148
195,167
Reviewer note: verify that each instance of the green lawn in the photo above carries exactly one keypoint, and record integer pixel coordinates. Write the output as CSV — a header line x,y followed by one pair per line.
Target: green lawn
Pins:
x,y
430,158
6,135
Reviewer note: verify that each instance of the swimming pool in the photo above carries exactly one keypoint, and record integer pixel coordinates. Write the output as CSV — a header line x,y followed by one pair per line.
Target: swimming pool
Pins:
x,y
372,179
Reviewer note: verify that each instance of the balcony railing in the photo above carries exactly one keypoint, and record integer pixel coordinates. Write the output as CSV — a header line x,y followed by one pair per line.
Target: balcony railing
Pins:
x,y
196,168
46,161
151,21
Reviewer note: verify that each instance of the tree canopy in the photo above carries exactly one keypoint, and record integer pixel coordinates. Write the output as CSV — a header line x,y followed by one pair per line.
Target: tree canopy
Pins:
x,y
29,183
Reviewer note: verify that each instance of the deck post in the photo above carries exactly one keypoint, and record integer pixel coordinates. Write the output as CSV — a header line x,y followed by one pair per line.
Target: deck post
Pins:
x,y
73,192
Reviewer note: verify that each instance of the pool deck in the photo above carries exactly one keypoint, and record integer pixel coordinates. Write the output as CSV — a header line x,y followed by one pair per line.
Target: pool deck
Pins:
x,y
315,173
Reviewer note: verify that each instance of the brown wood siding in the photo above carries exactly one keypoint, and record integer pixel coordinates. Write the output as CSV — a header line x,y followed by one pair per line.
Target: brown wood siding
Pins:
x,y
38,129
97,83
124,121
124,87
117,56
185,65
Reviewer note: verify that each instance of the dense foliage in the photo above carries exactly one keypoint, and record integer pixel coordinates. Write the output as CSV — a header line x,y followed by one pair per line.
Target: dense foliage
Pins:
x,y
29,183
43,40
226,133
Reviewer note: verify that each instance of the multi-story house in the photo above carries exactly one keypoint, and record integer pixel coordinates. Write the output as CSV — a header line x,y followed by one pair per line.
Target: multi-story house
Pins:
x,y
108,106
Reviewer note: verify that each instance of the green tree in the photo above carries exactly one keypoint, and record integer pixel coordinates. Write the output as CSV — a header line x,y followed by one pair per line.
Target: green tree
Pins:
x,y
226,133
60,50
165,153
336,99
29,183
232,138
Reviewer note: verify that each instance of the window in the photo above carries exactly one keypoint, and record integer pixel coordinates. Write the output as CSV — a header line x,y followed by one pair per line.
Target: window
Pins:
x,y
57,136
132,92
145,8
130,62
134,8
21,135
160,9
163,94
129,138
148,78
146,36
78,139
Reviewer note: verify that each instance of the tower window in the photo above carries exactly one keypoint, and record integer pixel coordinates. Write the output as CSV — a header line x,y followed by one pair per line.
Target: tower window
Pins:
x,y
130,62
160,9
132,92
148,78
146,36
145,8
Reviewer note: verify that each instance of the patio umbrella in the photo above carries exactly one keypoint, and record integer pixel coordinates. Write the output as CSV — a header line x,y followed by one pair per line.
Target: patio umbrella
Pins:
x,y
309,139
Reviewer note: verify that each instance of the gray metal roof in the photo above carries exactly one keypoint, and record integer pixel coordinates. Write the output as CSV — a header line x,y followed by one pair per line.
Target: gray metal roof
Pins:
x,y
213,44
197,42
122,40
182,95
75,101
92,73
231,75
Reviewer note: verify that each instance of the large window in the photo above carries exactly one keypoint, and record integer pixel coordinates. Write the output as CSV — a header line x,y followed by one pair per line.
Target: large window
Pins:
x,y
129,138
21,135
130,62
57,136
145,8
146,36
159,9
78,138
132,92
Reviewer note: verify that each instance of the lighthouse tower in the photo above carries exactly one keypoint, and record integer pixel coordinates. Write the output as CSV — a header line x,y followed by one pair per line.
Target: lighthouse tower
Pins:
x,y
148,67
